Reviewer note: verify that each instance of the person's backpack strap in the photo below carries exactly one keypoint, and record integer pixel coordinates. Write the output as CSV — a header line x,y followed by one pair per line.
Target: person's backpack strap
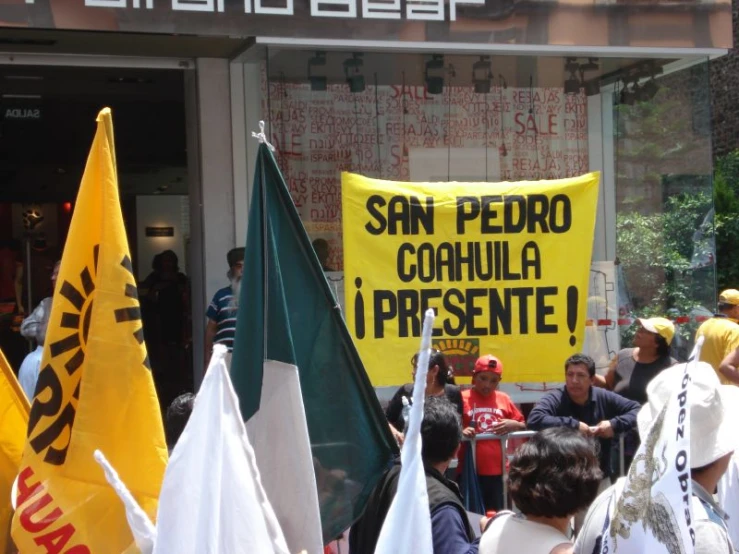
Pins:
x,y
499,517
717,519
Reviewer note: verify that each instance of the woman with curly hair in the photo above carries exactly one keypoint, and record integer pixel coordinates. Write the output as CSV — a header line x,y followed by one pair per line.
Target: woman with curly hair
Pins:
x,y
552,477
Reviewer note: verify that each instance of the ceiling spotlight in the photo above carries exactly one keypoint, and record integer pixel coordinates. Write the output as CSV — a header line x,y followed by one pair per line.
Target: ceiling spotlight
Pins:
x,y
317,82
353,72
648,90
482,75
572,83
591,65
628,97
434,74
592,86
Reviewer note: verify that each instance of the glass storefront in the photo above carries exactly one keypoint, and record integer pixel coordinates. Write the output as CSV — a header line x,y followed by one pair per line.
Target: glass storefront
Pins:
x,y
664,201
423,117
47,117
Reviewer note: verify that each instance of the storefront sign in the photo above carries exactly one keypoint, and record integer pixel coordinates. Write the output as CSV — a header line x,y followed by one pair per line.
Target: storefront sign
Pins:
x,y
505,265
670,23
21,113
160,231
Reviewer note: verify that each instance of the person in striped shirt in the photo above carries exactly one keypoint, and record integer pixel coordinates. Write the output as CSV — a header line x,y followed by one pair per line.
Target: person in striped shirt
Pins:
x,y
222,310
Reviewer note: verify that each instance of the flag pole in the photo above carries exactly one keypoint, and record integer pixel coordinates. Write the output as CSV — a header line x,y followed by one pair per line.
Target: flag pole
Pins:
x,y
262,138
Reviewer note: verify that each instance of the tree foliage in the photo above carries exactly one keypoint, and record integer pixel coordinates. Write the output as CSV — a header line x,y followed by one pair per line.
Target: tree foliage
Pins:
x,y
666,256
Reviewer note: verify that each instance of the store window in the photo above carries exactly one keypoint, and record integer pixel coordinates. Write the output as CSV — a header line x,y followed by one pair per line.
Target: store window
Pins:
x,y
417,117
664,201
47,123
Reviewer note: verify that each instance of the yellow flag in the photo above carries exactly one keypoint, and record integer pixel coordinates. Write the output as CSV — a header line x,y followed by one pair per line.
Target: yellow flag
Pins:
x,y
95,389
14,418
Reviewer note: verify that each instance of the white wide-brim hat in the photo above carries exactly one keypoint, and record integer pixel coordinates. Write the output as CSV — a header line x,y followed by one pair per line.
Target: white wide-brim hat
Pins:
x,y
714,410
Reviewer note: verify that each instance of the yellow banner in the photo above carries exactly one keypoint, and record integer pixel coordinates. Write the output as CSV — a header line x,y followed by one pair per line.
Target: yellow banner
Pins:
x,y
505,265
14,418
95,389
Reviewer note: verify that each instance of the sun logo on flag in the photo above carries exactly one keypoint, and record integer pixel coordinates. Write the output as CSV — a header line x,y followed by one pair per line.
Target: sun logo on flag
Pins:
x,y
79,320
132,313
76,318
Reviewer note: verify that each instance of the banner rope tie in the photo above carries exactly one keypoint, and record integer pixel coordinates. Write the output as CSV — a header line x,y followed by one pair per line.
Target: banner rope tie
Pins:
x,y
262,137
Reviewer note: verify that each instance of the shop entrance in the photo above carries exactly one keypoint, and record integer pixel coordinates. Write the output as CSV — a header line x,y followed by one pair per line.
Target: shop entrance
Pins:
x,y
47,122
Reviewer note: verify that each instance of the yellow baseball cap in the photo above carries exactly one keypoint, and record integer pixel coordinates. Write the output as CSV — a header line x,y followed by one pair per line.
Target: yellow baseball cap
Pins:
x,y
659,325
729,296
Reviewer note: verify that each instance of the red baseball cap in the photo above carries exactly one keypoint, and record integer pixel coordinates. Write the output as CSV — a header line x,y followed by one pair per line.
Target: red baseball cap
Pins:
x,y
488,363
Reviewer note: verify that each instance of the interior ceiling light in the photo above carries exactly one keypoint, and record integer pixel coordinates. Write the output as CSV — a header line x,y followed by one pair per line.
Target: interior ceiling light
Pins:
x,y
645,91
572,83
591,86
482,75
131,80
317,82
434,74
628,96
24,77
648,90
353,72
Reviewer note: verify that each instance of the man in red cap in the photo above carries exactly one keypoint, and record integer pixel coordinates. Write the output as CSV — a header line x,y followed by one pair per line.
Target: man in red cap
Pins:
x,y
487,410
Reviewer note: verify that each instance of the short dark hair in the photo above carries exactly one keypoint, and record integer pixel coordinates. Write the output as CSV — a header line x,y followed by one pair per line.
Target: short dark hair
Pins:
x,y
555,474
441,430
437,358
177,416
663,349
235,256
581,359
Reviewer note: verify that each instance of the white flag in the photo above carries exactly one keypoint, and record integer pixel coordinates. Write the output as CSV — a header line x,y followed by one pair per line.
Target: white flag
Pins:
x,y
212,499
407,526
650,510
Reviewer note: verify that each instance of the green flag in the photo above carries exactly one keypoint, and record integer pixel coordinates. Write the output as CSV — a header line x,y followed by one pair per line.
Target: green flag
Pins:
x,y
294,363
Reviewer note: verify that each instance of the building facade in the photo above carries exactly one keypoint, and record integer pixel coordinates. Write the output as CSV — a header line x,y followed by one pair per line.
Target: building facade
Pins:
x,y
477,90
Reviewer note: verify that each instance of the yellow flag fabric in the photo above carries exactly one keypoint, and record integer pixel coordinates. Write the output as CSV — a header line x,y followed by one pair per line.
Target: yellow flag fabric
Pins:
x,y
506,266
95,389
14,418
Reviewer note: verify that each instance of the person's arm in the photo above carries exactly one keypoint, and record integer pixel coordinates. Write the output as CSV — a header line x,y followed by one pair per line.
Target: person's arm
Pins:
x,y
609,381
514,420
211,329
394,410
544,414
624,412
449,533
728,367
30,325
210,334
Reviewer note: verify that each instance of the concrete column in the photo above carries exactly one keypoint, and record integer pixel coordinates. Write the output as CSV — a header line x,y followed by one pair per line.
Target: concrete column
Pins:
x,y
211,173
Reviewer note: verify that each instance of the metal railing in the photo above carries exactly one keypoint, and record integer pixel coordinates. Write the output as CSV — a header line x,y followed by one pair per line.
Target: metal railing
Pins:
x,y
505,458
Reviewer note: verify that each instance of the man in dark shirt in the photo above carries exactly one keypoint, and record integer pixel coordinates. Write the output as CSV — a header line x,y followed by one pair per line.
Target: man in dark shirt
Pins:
x,y
594,411
451,532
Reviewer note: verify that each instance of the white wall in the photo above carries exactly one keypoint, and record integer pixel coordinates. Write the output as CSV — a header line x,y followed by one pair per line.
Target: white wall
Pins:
x,y
160,211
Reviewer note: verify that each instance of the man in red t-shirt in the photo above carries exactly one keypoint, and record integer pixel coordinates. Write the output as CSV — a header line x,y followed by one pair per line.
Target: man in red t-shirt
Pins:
x,y
487,410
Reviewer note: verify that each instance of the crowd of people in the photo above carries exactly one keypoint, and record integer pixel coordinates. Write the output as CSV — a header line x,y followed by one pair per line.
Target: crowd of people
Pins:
x,y
553,477
562,479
